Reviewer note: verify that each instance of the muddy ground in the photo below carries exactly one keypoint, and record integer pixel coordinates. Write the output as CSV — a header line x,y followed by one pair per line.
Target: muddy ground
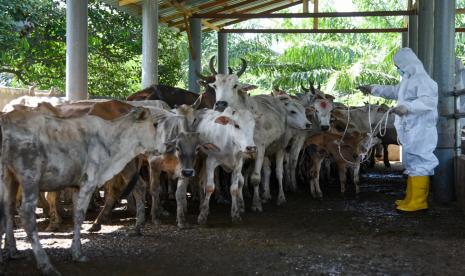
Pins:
x,y
340,235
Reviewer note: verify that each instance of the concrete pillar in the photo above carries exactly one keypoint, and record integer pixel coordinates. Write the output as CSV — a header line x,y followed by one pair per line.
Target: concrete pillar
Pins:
x,y
413,33
76,49
404,39
222,53
149,43
195,26
425,34
444,42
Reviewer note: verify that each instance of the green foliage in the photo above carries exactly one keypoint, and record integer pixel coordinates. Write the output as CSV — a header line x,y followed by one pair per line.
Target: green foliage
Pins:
x,y
37,54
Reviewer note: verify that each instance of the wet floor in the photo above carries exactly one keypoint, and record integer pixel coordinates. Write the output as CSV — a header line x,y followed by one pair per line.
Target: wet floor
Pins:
x,y
337,236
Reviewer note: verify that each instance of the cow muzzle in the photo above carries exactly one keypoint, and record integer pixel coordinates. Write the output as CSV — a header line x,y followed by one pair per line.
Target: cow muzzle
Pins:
x,y
220,106
188,173
251,149
324,128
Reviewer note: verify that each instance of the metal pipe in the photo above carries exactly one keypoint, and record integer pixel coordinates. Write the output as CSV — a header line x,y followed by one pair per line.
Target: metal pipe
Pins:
x,y
195,26
458,130
76,50
444,38
149,43
404,37
222,53
312,31
413,31
425,35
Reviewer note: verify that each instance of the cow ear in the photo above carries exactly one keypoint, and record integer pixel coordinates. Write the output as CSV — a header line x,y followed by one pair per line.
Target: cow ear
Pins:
x,y
140,113
223,120
170,146
209,147
247,87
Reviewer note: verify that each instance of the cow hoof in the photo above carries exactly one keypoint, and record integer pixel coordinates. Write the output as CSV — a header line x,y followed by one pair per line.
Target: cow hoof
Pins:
x,y
266,197
202,220
81,259
16,255
134,232
156,222
95,228
184,226
49,270
257,208
236,219
281,201
52,228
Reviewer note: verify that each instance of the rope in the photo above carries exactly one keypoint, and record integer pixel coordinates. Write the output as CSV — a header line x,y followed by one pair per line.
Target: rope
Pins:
x,y
372,133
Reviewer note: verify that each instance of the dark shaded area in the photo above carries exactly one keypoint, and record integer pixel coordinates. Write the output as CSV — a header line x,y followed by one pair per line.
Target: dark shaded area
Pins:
x,y
340,235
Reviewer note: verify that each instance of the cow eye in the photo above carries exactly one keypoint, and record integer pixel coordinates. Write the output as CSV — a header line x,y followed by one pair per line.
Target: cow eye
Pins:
x,y
235,86
293,112
214,86
236,126
178,149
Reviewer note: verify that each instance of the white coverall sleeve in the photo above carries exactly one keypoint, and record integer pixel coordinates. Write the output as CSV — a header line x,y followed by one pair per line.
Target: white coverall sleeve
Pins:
x,y
425,101
385,91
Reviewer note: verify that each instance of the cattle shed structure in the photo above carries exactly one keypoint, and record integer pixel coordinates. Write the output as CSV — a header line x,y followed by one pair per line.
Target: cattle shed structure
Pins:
x,y
430,32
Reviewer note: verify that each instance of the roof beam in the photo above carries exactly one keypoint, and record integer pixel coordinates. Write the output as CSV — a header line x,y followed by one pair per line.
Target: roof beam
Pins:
x,y
127,2
302,15
188,13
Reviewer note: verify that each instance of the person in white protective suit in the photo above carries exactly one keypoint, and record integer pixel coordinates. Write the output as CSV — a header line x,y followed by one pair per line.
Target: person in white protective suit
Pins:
x,y
459,85
415,122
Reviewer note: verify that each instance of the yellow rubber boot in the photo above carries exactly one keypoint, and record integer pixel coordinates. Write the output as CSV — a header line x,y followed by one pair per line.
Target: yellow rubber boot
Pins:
x,y
419,195
408,193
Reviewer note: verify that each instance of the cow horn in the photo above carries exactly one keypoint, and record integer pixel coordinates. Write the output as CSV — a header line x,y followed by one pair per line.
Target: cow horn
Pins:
x,y
319,86
243,67
306,90
200,76
197,102
230,71
312,88
212,66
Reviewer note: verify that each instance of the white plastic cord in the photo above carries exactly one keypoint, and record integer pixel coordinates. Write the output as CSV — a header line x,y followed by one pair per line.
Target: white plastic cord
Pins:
x,y
372,133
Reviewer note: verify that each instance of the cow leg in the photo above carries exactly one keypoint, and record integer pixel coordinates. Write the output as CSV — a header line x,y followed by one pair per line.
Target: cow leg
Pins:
x,y
115,189
316,181
181,202
155,191
279,177
241,203
236,179
209,189
293,160
286,174
55,218
256,177
266,179
28,216
43,204
11,187
357,178
386,156
341,167
139,196
81,202
171,191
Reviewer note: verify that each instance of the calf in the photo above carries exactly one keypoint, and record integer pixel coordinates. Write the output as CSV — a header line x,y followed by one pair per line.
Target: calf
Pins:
x,y
34,146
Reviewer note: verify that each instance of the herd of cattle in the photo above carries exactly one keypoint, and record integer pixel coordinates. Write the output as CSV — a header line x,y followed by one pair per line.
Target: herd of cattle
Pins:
x,y
161,134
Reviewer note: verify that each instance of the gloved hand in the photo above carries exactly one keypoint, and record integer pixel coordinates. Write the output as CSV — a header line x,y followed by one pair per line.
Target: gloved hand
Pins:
x,y
400,110
366,89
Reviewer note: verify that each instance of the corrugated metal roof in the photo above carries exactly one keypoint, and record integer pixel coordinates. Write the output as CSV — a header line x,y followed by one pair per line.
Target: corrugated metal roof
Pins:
x,y
172,12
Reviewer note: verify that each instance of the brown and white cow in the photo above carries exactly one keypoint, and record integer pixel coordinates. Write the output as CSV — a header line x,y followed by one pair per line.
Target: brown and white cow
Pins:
x,y
34,145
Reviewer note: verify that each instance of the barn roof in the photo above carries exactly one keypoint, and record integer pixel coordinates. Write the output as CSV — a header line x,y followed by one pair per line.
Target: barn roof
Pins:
x,y
172,13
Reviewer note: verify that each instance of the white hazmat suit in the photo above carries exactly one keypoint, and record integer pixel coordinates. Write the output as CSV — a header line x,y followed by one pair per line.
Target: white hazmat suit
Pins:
x,y
416,129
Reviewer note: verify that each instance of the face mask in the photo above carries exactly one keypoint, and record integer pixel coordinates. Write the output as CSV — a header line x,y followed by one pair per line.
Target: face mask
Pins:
x,y
401,72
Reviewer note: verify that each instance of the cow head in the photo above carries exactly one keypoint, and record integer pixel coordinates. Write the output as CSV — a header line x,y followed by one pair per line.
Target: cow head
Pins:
x,y
366,144
240,126
185,147
322,113
296,113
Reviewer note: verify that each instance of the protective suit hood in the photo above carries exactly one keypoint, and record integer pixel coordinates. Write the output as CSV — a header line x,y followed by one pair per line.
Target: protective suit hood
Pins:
x,y
407,61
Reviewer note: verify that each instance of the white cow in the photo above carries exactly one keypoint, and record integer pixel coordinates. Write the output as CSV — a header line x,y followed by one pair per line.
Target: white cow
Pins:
x,y
232,133
34,147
